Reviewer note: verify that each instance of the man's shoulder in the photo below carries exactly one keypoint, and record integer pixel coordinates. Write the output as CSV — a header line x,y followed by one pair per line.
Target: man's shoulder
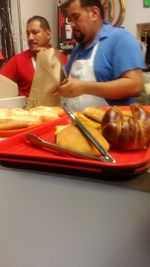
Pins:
x,y
24,54
116,35
111,31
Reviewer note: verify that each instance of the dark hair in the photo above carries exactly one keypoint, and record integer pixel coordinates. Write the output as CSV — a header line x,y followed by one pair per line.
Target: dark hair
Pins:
x,y
89,3
43,22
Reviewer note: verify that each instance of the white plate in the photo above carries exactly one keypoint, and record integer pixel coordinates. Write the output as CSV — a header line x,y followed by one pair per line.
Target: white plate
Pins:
x,y
13,102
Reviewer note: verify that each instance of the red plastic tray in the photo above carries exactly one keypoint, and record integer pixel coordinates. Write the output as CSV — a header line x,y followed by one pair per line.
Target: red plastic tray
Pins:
x,y
16,149
8,133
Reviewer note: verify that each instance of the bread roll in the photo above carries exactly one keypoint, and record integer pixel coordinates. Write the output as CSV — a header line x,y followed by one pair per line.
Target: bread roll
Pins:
x,y
59,128
87,121
5,115
17,118
4,112
13,124
94,113
72,138
127,132
44,113
19,111
58,110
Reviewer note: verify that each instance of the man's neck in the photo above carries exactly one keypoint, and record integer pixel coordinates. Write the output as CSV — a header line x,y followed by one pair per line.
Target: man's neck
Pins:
x,y
89,41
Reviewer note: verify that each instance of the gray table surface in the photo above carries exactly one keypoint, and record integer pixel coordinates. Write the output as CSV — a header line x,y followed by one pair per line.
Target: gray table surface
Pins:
x,y
55,220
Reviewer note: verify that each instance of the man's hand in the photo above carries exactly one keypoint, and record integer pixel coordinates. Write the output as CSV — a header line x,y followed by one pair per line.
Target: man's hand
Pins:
x,y
70,88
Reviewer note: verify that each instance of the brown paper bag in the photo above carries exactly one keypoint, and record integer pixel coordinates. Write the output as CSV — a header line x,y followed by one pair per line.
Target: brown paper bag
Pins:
x,y
46,79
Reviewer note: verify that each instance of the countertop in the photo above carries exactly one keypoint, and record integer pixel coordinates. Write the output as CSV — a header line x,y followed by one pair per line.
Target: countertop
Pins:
x,y
51,219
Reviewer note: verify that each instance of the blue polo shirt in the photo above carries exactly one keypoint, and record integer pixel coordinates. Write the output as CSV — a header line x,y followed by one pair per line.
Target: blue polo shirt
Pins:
x,y
117,53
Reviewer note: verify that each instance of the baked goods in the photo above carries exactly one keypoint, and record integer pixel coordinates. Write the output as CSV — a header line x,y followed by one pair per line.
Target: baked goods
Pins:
x,y
125,131
71,137
18,111
17,118
87,121
13,124
95,113
56,109
44,113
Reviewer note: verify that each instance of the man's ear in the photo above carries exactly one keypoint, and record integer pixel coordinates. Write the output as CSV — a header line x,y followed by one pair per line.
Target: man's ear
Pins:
x,y
49,33
95,11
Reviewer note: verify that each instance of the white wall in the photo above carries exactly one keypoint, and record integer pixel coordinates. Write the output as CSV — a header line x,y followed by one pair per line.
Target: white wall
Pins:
x,y
16,32
25,9
135,14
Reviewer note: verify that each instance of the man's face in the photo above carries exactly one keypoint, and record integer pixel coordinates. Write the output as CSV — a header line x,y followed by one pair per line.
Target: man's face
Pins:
x,y
37,37
82,21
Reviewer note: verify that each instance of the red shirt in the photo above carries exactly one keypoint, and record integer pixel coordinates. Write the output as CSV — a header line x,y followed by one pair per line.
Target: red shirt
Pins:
x,y
20,69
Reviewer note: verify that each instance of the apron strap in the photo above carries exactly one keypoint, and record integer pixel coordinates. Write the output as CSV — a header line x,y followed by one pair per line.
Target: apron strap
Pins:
x,y
94,52
33,62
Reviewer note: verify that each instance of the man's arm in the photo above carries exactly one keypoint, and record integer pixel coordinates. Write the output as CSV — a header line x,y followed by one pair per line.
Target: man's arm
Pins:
x,y
129,85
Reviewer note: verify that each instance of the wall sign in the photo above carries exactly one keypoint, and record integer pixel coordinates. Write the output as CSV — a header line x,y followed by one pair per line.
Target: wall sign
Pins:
x,y
114,11
146,3
65,31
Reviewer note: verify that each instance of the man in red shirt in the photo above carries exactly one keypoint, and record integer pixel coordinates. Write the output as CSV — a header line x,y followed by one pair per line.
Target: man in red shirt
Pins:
x,y
20,68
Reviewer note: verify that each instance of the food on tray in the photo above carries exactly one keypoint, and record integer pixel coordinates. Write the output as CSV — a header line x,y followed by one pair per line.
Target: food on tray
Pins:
x,y
44,113
58,110
18,124
18,118
60,128
18,111
95,113
127,131
87,121
47,110
4,112
72,138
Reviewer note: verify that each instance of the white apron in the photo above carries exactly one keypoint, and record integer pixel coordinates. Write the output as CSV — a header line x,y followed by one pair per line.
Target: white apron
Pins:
x,y
84,70
33,62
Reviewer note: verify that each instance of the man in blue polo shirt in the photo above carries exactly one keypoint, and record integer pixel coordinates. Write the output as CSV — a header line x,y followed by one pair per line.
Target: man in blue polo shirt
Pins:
x,y
106,66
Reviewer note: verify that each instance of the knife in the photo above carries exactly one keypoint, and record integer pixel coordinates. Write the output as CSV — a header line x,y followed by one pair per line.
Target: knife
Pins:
x,y
84,130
